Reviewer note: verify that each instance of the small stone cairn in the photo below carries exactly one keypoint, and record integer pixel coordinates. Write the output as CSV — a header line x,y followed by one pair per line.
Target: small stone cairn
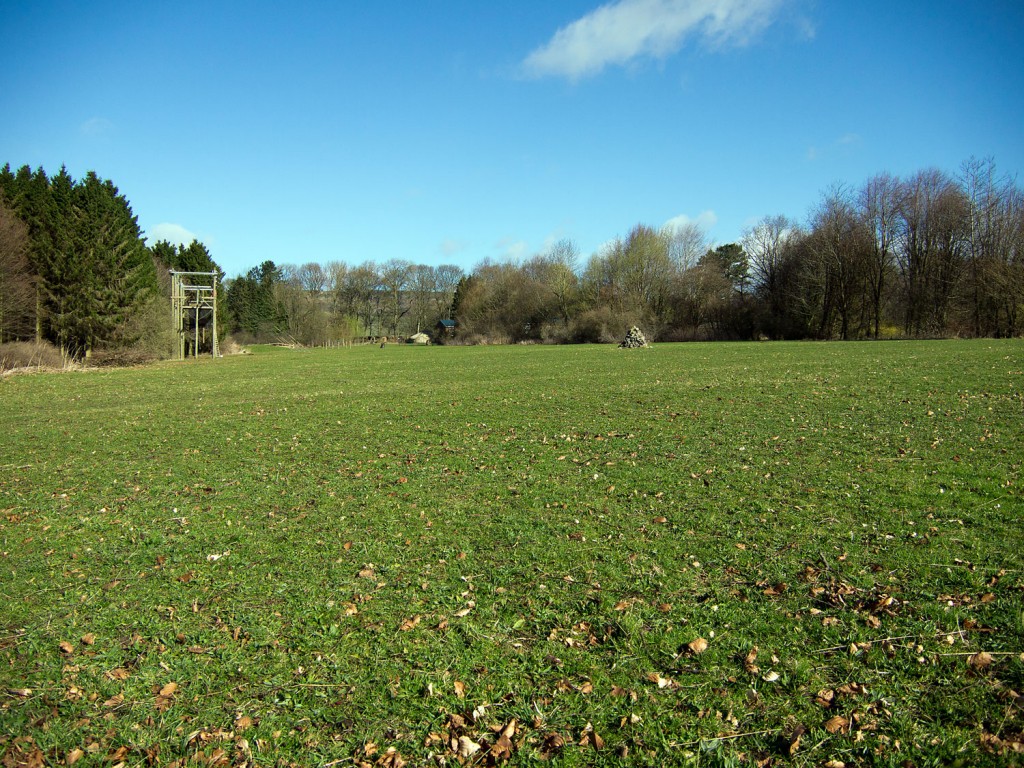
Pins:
x,y
634,339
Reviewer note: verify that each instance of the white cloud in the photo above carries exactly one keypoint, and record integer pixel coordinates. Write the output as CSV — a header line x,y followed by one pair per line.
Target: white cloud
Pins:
x,y
510,249
172,233
705,220
96,127
624,30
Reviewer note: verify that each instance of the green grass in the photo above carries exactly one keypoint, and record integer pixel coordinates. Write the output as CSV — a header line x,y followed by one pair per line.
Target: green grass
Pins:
x,y
338,553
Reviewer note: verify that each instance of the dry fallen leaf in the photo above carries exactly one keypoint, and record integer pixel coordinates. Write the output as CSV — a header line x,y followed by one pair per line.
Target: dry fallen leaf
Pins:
x,y
88,639
697,646
74,756
771,676
114,701
409,623
66,648
169,689
460,689
661,682
794,740
837,724
980,660
467,747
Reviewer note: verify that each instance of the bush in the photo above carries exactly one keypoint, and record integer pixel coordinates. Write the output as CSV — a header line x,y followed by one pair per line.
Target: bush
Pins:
x,y
123,357
146,336
30,354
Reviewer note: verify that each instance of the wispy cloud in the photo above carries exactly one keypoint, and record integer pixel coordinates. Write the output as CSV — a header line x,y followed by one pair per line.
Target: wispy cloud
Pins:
x,y
624,30
511,249
705,220
96,127
848,141
172,233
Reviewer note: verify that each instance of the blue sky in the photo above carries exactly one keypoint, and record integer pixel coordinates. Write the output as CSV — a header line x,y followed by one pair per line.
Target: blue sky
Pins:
x,y
453,131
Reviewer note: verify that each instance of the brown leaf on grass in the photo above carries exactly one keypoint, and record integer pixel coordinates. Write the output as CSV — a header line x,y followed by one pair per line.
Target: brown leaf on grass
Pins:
x,y
988,598
114,701
243,723
118,673
347,546
503,747
697,646
660,520
88,639
66,648
21,693
14,755
74,756
794,740
467,747
169,689
825,698
390,759
408,624
591,737
367,572
837,724
748,662
460,689
552,745
186,577
665,607
661,682
980,660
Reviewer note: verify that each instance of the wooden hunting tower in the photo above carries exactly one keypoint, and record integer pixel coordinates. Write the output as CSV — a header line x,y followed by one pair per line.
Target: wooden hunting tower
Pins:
x,y
194,312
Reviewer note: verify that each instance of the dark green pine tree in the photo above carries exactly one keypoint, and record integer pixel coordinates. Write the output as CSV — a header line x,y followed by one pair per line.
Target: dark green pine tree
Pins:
x,y
252,304
119,276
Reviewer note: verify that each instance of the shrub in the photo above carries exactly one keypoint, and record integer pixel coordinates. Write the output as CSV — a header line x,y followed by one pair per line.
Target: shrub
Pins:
x,y
30,354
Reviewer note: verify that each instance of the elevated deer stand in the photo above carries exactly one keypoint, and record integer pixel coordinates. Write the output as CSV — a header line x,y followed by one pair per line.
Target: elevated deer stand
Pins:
x,y
194,309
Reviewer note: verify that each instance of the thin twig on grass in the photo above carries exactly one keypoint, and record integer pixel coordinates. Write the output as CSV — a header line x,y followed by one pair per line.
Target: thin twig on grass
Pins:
x,y
677,744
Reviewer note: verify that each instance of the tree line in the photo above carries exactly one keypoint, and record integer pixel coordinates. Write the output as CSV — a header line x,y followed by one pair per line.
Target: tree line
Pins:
x,y
931,254
75,270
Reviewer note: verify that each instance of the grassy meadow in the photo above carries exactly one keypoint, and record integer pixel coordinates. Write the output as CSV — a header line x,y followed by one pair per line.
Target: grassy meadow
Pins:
x,y
705,554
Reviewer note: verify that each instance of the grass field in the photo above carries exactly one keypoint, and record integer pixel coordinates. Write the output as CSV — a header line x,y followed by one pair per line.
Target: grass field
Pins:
x,y
743,554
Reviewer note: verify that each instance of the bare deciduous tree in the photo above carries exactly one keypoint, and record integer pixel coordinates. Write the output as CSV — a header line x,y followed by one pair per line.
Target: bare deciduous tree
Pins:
x,y
17,284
